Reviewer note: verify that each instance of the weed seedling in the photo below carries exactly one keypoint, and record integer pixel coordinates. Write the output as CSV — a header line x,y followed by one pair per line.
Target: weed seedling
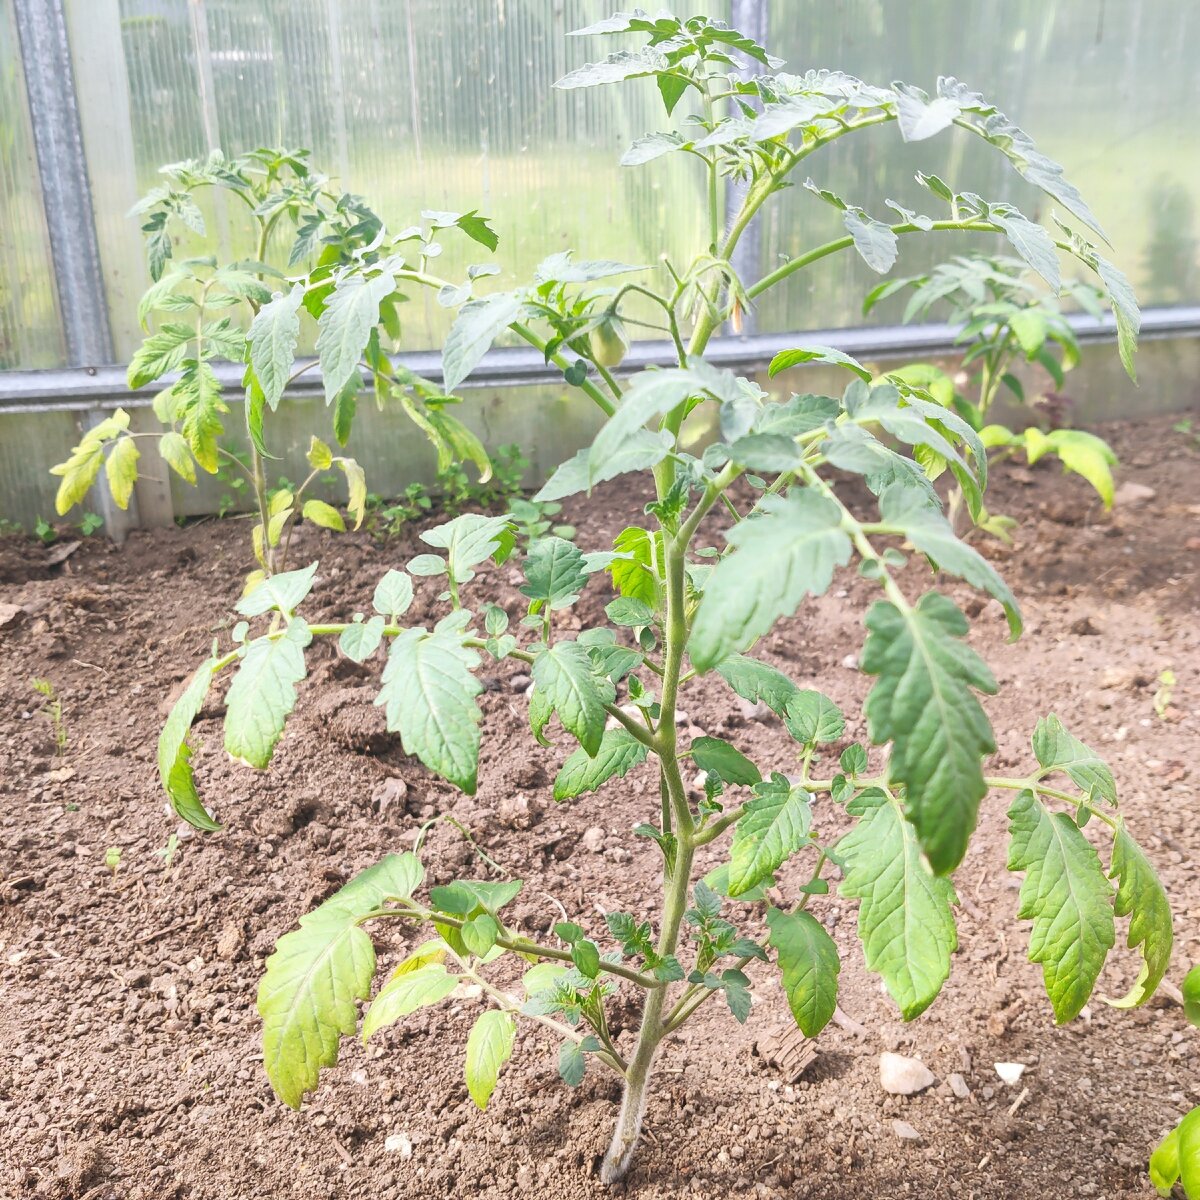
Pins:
x,y
52,710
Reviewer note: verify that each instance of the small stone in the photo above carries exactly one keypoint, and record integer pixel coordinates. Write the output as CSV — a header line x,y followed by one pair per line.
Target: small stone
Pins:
x,y
1084,627
757,711
1010,1072
391,791
518,812
229,944
905,1132
398,1143
9,613
850,662
958,1085
904,1076
520,683
593,839
1133,493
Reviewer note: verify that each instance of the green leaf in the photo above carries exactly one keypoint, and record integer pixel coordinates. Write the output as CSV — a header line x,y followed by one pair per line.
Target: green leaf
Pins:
x,y
428,694
479,934
121,469
198,407
555,572
875,242
173,449
1066,895
559,268
653,145
782,556
273,335
565,677
404,994
629,613
810,963
464,897
635,576
624,64
478,229
360,639
1125,309
1191,996
904,917
1086,455
1140,897
174,753
351,312
641,450
160,354
324,515
618,754
393,594
1176,1159
307,996
263,693
924,703
1032,242
282,592
586,957
812,718
489,1047
821,354
755,681
572,1063
1058,750
774,826
478,324
909,513
727,762
469,540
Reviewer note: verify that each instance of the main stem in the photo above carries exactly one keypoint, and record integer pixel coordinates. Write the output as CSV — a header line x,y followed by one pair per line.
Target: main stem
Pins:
x,y
677,872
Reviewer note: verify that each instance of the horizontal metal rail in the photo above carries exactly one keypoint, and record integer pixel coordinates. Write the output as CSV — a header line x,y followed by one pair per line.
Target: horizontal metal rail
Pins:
x,y
80,388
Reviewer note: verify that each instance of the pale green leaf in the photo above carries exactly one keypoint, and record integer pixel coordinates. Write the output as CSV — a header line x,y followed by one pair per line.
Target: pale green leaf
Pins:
x,y
282,592
813,719
469,540
324,515
174,753
263,694
177,455
360,639
489,1047
351,312
877,244
393,594
478,324
121,469
161,353
1066,895
904,918
555,572
406,992
1140,896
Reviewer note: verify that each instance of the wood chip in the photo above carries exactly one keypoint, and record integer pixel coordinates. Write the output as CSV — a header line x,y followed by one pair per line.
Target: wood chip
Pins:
x,y
788,1051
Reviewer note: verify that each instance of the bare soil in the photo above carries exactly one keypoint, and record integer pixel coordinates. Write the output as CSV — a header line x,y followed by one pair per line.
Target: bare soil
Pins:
x,y
129,1045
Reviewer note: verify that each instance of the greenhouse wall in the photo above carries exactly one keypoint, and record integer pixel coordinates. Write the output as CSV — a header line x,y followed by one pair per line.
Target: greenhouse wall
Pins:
x,y
420,104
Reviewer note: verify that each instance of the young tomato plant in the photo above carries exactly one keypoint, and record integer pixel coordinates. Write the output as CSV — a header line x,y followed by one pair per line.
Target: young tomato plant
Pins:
x,y
335,265
1006,315
1176,1159
683,608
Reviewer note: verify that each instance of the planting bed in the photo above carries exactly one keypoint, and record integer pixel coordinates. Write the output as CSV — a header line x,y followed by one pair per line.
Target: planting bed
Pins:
x,y
129,1060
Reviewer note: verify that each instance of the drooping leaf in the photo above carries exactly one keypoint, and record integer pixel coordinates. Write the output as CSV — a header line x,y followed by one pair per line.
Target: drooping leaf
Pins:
x,y
173,449
565,677
174,753
924,703
1031,241
80,470
478,324
789,552
1140,896
428,695
1058,750
619,753
904,918
263,694
810,964
307,995
774,826
121,470
1066,895
198,407
820,354
489,1047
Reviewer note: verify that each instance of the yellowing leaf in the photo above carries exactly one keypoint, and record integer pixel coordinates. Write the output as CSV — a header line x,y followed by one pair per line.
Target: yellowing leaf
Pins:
x,y
324,515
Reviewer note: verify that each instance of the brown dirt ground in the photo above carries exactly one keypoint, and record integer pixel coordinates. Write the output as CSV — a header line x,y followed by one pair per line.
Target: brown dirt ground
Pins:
x,y
129,1060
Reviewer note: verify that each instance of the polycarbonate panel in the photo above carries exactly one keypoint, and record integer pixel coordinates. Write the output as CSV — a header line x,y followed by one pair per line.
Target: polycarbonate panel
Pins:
x,y
30,331
428,104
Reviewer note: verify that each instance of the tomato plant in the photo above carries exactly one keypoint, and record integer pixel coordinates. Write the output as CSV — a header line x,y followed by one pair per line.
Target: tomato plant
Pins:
x,y
1176,1159
1006,315
199,312
686,603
